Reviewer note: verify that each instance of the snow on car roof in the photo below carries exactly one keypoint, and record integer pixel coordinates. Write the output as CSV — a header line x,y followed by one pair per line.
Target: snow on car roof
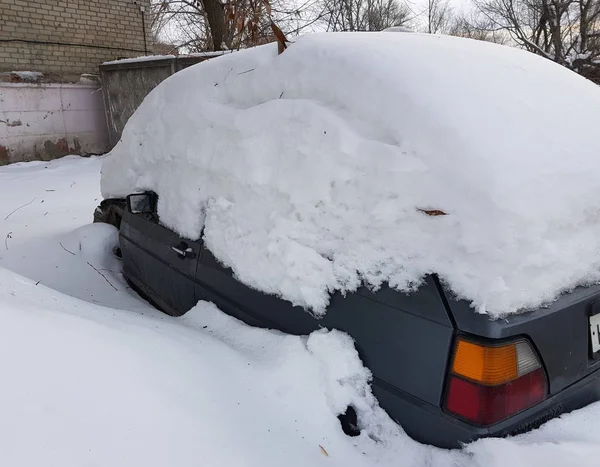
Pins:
x,y
316,170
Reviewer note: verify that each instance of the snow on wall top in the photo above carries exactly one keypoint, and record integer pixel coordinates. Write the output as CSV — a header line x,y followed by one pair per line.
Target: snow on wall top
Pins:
x,y
142,58
308,171
149,58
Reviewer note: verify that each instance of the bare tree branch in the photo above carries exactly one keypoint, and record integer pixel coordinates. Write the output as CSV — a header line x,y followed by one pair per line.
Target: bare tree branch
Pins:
x,y
565,31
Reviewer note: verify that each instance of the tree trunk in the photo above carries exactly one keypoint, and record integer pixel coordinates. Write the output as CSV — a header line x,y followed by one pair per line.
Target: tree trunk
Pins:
x,y
215,15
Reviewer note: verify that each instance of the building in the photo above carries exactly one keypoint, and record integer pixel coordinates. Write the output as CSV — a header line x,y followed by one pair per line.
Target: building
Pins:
x,y
50,51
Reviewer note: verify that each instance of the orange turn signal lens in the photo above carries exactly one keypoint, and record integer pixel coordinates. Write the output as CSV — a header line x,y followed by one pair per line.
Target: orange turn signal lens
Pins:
x,y
486,365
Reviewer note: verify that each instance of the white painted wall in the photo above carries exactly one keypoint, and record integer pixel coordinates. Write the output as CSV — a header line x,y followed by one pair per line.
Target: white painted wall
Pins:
x,y
44,121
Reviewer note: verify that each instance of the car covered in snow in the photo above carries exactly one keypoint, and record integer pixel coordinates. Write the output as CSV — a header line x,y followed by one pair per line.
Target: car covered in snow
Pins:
x,y
435,198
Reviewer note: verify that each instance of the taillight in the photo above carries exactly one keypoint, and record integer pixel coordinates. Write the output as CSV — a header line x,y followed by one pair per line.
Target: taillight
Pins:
x,y
489,383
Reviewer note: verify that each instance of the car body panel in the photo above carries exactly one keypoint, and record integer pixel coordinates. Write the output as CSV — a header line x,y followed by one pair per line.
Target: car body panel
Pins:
x,y
427,425
404,339
559,332
387,337
148,257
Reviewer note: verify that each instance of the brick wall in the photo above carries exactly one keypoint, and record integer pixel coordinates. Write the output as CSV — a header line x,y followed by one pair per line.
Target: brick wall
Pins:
x,y
70,37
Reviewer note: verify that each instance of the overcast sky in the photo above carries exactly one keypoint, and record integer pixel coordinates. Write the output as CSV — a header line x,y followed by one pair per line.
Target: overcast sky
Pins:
x,y
170,34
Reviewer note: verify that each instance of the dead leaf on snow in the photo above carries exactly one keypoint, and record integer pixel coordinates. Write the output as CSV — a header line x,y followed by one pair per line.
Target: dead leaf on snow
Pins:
x,y
432,212
281,39
325,453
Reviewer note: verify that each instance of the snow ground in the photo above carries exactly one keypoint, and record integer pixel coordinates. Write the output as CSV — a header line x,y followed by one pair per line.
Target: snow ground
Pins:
x,y
93,376
46,204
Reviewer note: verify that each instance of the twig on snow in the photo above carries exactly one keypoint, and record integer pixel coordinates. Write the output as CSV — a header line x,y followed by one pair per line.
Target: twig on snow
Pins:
x,y
20,208
109,282
247,71
63,247
107,270
8,235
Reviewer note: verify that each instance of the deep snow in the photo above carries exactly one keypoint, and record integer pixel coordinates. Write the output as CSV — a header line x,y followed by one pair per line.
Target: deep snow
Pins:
x,y
88,385
44,209
308,171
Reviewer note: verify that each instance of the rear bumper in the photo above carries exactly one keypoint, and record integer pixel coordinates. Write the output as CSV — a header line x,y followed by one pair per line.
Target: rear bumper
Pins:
x,y
576,396
430,425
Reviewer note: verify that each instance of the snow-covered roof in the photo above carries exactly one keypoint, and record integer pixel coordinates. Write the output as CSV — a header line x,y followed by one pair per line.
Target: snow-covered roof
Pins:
x,y
310,171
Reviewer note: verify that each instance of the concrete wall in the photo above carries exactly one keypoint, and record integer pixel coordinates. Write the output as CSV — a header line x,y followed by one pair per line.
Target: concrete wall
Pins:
x,y
126,84
70,37
46,121
124,88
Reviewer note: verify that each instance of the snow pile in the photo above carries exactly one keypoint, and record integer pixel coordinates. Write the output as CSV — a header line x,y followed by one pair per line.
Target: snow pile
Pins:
x,y
32,76
85,385
95,386
44,209
205,387
308,172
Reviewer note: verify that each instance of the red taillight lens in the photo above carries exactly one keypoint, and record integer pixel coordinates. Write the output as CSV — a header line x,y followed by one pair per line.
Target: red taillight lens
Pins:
x,y
486,405
484,388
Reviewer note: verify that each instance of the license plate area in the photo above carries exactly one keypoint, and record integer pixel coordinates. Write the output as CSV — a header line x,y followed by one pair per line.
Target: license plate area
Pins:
x,y
595,335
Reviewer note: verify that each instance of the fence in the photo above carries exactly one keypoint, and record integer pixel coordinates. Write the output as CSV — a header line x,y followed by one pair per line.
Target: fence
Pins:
x,y
125,84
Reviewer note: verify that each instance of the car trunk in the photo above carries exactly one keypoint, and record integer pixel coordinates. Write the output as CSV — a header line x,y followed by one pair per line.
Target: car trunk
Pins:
x,y
560,333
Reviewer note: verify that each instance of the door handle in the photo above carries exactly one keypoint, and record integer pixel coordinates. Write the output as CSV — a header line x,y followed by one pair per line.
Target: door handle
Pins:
x,y
187,253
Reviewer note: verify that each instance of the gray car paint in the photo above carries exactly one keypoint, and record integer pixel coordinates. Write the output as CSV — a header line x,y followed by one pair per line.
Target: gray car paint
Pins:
x,y
560,333
406,340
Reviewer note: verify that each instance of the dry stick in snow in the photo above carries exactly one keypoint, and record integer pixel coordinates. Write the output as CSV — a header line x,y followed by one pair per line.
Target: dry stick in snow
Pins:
x,y
109,282
68,251
6,239
90,265
20,208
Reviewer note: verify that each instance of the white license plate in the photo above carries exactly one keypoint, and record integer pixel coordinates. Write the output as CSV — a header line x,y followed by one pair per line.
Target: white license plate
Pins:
x,y
595,332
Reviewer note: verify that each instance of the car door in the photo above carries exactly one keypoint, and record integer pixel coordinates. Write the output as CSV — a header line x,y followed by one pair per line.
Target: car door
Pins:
x,y
217,284
159,262
397,335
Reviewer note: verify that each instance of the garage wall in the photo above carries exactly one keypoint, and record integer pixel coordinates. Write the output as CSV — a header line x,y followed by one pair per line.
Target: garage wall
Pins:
x,y
47,121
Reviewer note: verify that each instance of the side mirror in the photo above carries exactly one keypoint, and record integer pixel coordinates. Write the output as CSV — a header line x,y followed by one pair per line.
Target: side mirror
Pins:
x,y
142,203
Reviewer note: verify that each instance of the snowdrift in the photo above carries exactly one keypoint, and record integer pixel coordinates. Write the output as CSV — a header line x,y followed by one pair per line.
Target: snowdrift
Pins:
x,y
308,172
88,385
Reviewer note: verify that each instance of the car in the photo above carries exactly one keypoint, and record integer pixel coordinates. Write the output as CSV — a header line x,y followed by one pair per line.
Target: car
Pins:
x,y
447,375
423,194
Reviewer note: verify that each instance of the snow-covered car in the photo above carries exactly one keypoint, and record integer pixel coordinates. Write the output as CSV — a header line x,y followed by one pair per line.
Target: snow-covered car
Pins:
x,y
436,198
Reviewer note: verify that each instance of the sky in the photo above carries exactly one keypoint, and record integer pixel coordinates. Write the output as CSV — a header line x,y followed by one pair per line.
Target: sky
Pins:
x,y
171,33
